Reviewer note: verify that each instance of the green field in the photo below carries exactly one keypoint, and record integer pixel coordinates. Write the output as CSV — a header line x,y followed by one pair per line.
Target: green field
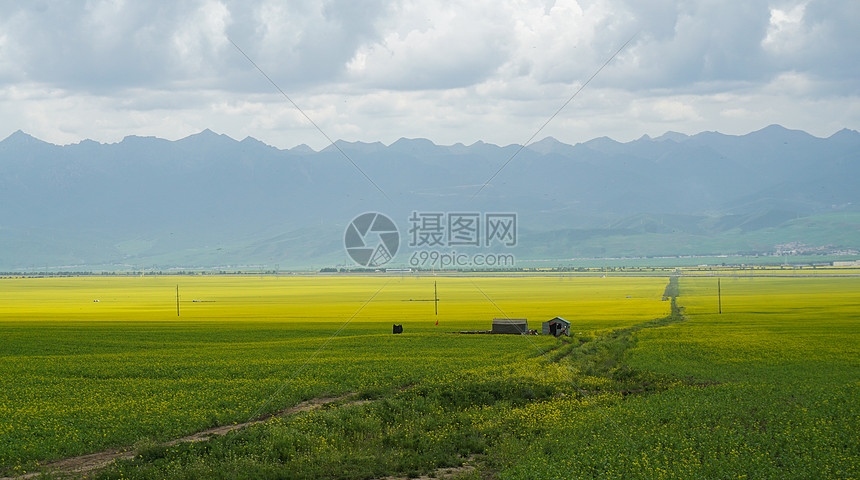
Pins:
x,y
765,390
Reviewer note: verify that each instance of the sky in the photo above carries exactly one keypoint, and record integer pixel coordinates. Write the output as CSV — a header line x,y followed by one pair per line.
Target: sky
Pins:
x,y
449,71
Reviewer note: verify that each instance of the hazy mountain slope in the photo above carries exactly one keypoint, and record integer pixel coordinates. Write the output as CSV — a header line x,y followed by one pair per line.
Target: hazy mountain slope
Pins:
x,y
210,200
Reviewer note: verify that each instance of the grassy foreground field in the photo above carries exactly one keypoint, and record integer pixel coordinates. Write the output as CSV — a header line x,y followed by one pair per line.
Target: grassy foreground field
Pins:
x,y
80,375
766,390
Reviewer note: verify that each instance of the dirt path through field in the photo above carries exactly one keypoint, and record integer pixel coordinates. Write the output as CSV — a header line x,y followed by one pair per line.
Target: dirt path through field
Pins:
x,y
95,461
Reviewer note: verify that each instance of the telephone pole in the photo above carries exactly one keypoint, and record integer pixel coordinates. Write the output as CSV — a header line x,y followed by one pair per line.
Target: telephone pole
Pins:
x,y
719,298
435,299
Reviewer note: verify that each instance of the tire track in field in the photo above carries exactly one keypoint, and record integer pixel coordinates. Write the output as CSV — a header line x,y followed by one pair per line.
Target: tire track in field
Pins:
x,y
84,464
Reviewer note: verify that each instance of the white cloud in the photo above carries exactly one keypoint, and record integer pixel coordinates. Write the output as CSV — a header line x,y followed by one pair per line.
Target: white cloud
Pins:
x,y
434,45
791,84
456,71
203,35
787,30
674,110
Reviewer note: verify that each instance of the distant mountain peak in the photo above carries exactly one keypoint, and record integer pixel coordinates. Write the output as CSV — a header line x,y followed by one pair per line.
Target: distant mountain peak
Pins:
x,y
549,145
252,141
846,133
137,137
547,141
208,134
19,133
356,146
601,141
303,148
139,141
778,132
21,138
414,146
413,142
207,139
777,129
205,133
672,136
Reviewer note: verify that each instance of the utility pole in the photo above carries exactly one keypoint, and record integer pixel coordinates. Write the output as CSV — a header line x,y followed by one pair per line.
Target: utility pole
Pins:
x,y
719,298
177,299
435,299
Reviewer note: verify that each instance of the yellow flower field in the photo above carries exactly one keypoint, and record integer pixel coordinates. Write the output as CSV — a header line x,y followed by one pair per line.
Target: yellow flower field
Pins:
x,y
766,389
94,362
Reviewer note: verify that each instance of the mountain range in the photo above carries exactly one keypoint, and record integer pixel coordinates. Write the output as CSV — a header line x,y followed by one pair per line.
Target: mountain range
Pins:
x,y
208,200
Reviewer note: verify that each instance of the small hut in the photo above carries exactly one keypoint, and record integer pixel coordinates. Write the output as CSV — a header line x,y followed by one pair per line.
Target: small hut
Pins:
x,y
556,327
511,326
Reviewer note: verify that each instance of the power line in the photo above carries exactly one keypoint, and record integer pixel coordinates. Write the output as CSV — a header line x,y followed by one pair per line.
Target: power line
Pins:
x,y
527,142
330,141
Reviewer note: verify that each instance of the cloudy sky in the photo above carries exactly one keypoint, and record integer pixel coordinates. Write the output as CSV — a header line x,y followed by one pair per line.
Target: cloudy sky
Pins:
x,y
450,71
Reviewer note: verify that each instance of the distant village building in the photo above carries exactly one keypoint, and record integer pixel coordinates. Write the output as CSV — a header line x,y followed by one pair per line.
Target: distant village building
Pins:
x,y
848,263
512,326
556,327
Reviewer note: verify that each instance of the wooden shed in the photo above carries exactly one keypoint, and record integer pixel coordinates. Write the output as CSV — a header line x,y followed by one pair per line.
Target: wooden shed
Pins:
x,y
556,327
512,326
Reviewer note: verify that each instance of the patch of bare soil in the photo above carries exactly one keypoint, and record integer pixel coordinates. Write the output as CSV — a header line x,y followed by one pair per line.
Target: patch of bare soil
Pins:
x,y
95,461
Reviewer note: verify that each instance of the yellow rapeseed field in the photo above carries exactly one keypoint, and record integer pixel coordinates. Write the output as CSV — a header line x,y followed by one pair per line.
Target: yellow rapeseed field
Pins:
x,y
766,389
94,362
